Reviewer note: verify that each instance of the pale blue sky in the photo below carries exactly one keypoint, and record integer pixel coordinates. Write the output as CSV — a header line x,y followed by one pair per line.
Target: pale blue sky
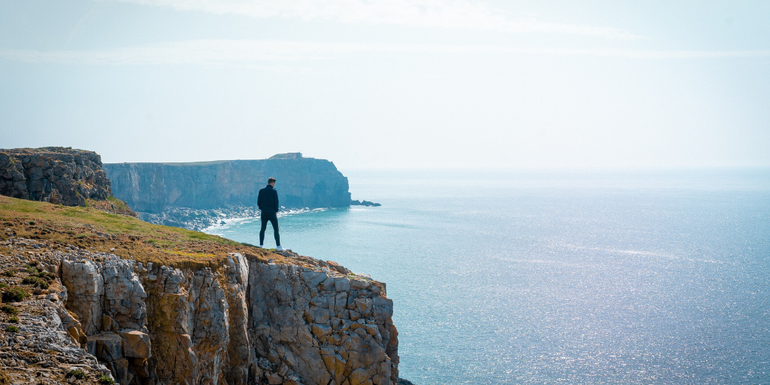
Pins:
x,y
392,84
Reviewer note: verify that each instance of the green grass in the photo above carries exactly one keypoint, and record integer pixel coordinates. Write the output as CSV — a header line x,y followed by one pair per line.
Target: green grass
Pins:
x,y
28,209
9,309
14,295
111,223
90,227
105,379
77,373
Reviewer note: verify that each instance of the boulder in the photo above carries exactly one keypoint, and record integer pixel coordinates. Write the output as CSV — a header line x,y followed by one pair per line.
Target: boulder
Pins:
x,y
107,347
136,344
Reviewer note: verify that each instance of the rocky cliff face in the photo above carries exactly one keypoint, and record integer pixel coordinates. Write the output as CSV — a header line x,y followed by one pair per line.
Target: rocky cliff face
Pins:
x,y
251,321
157,188
53,174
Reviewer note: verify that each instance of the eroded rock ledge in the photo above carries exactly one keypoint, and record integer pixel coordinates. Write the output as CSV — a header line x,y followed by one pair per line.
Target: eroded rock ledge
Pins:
x,y
250,322
53,174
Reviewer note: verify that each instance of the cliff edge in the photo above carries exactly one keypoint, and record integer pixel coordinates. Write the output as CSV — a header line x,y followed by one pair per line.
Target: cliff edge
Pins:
x,y
91,296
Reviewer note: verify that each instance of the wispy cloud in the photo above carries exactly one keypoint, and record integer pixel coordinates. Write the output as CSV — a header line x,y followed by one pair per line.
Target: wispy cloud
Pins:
x,y
264,52
188,52
450,14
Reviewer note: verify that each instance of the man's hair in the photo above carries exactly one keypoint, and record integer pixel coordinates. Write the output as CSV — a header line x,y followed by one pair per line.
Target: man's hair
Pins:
x,y
271,180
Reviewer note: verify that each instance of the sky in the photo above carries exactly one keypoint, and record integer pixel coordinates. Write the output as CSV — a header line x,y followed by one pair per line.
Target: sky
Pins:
x,y
378,84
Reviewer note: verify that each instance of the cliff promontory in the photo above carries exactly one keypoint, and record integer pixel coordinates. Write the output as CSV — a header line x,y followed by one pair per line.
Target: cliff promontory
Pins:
x,y
53,174
188,194
90,296
59,175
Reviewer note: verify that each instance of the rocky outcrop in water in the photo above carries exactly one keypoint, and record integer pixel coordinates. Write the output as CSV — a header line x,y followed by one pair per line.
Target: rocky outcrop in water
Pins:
x,y
160,188
198,219
250,321
364,203
53,174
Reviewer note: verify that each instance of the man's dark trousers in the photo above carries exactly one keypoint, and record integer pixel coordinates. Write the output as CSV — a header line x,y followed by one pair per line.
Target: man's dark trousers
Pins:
x,y
273,218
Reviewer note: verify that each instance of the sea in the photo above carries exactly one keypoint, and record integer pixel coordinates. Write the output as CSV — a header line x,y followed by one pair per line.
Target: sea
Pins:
x,y
558,277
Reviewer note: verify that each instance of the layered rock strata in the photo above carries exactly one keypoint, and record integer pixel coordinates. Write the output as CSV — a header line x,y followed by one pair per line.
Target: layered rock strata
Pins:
x,y
53,174
251,321
156,190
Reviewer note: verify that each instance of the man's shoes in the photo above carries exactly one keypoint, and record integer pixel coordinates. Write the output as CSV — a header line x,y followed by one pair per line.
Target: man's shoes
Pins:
x,y
279,248
261,247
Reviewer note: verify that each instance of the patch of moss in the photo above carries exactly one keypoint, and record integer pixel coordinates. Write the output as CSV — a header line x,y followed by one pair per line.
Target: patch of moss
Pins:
x,y
45,275
13,319
105,379
12,329
77,373
9,309
14,295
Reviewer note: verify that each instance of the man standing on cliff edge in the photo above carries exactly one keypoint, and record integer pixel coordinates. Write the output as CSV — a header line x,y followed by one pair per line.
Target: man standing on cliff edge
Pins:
x,y
268,204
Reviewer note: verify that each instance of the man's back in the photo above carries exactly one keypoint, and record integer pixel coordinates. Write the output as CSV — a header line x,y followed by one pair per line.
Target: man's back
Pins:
x,y
268,199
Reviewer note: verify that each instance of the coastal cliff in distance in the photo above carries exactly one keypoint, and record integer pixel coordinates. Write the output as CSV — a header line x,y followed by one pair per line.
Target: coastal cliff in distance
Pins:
x,y
196,195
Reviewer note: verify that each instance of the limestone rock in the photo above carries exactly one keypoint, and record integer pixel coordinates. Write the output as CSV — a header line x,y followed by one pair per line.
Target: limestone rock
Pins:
x,y
238,349
135,344
124,295
247,322
167,309
85,287
53,174
289,308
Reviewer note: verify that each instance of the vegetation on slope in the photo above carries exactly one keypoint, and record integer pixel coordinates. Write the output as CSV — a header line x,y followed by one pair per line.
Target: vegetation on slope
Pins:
x,y
126,236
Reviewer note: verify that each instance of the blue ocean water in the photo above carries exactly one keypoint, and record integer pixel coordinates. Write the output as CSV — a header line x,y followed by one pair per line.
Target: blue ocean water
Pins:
x,y
642,277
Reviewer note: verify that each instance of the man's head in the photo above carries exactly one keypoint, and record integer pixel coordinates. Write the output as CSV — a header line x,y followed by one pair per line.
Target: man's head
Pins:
x,y
271,181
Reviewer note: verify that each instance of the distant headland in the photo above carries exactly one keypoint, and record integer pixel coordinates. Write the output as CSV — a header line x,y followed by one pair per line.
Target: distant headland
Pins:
x,y
197,195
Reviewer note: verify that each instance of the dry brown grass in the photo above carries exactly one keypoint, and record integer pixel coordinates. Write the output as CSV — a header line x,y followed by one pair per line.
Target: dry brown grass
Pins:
x,y
4,379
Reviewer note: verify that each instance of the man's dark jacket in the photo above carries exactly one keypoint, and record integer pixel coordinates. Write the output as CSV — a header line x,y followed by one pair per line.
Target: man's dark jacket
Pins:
x,y
268,200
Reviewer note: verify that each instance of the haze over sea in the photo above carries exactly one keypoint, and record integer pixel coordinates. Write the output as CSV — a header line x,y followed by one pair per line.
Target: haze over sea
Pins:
x,y
559,277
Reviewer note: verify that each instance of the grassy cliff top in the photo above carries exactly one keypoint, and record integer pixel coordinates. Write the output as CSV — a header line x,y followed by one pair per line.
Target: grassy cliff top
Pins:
x,y
131,238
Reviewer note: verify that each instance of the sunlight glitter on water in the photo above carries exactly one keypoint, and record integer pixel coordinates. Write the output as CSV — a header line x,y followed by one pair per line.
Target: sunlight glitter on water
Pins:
x,y
520,281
